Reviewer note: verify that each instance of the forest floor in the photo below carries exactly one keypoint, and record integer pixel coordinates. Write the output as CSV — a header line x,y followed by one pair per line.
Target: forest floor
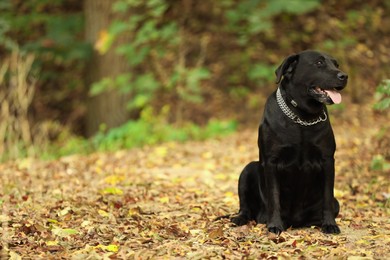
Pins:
x,y
160,202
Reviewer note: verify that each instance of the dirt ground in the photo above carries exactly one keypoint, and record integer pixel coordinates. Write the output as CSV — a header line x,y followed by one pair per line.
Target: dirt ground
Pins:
x,y
160,202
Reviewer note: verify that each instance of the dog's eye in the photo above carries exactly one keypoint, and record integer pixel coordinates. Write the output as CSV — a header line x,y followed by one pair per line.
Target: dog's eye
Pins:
x,y
320,63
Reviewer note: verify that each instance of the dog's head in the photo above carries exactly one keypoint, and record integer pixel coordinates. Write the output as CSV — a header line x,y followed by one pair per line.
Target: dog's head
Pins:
x,y
313,75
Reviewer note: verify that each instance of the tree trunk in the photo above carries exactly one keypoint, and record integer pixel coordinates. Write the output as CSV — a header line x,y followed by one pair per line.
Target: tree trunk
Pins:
x,y
109,108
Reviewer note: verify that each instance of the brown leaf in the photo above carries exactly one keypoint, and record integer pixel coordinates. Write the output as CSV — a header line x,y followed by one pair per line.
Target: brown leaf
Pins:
x,y
216,233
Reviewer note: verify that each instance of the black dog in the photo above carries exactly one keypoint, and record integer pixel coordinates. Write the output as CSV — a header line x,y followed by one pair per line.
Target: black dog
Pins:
x,y
292,184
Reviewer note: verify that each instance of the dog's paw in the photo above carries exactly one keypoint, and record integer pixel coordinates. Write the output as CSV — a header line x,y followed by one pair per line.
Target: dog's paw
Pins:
x,y
275,230
240,220
330,229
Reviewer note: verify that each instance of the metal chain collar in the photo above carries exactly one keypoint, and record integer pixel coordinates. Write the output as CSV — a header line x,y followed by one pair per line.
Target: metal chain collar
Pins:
x,y
290,114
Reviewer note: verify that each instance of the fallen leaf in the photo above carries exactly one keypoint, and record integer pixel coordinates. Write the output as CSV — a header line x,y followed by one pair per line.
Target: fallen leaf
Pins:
x,y
64,232
51,243
64,212
109,248
216,233
114,179
164,200
14,256
112,190
103,213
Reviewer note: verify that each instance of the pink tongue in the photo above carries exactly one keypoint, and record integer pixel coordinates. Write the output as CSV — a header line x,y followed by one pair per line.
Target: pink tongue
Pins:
x,y
334,95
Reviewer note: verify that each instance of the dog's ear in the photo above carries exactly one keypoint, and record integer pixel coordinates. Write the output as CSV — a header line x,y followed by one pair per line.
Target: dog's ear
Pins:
x,y
286,67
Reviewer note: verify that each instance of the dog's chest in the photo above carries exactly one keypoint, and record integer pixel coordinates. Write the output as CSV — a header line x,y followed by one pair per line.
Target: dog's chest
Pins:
x,y
299,157
304,151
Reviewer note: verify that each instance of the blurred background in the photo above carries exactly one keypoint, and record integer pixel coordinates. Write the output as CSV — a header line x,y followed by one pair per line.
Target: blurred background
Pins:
x,y
81,76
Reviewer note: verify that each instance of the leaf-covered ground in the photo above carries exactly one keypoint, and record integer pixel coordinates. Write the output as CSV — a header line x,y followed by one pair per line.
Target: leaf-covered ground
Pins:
x,y
160,202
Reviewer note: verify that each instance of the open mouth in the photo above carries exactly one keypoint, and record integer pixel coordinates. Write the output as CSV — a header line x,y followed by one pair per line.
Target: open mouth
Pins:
x,y
327,96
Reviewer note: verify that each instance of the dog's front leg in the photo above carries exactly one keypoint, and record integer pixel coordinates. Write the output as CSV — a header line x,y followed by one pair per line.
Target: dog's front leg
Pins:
x,y
329,223
274,220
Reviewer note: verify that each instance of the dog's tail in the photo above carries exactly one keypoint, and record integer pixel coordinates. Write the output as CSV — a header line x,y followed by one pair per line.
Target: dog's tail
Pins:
x,y
223,217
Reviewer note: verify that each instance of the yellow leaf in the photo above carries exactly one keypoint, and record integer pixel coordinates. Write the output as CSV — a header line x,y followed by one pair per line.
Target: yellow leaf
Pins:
x,y
362,241
52,243
196,209
98,170
103,213
52,221
25,164
114,179
339,193
104,42
230,198
221,176
229,194
161,151
112,248
210,166
195,231
109,248
64,232
134,211
242,148
112,190
164,200
207,155
373,237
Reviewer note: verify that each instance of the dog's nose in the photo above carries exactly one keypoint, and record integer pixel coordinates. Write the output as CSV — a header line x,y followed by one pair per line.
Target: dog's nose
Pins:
x,y
342,76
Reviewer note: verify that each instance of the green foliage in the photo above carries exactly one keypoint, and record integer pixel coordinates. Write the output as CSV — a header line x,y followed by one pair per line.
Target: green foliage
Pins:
x,y
262,72
247,20
379,163
191,91
5,25
337,107
66,144
52,35
143,87
254,16
157,46
382,96
53,32
152,129
153,40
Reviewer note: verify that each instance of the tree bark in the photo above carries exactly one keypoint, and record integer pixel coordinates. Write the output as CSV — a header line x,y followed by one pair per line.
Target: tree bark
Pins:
x,y
108,108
